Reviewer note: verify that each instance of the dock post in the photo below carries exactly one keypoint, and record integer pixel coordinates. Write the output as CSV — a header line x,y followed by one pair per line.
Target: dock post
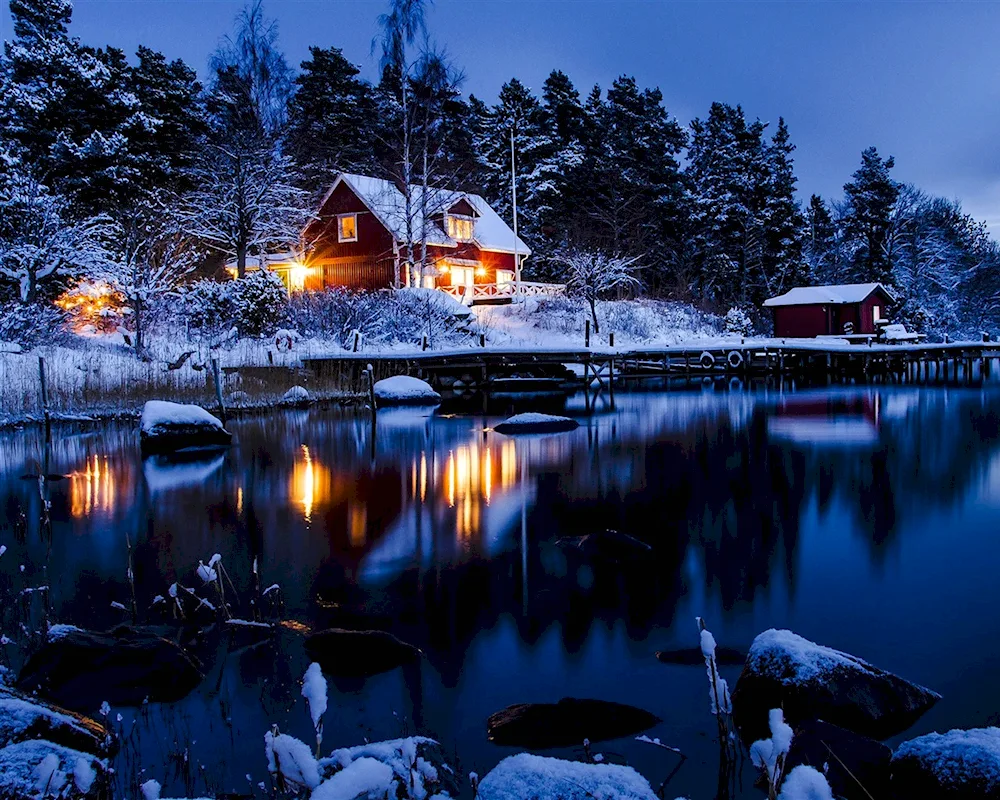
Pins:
x,y
45,399
611,339
586,334
218,389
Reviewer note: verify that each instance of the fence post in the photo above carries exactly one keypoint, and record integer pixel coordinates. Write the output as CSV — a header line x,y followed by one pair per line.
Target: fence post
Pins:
x,y
357,339
482,340
370,372
45,397
218,389
586,334
423,340
611,339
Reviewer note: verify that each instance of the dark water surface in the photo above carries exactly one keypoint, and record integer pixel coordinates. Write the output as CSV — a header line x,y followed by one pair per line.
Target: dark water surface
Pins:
x,y
867,519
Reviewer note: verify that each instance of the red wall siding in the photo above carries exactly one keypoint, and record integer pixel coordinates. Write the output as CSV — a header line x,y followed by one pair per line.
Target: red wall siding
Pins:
x,y
801,321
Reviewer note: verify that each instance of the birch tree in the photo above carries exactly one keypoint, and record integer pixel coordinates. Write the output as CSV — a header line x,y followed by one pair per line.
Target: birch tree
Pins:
x,y
592,274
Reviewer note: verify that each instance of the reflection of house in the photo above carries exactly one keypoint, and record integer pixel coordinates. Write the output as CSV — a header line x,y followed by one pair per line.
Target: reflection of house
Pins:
x,y
827,421
359,240
850,308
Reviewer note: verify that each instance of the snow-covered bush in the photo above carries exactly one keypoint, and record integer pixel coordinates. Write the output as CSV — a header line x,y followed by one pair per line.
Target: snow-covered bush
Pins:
x,y
769,755
208,307
738,322
32,325
259,299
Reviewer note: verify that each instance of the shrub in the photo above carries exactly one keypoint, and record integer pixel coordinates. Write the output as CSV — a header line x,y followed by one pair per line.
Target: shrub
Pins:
x,y
260,300
208,307
31,325
737,321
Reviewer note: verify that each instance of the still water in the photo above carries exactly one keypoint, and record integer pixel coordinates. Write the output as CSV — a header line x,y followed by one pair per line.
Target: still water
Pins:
x,y
863,518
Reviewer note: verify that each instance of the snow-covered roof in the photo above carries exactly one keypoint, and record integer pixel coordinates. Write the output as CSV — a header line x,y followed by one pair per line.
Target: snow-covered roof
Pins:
x,y
826,295
388,204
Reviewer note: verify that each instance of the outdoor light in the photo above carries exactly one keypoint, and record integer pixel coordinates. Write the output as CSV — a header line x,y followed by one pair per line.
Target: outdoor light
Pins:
x,y
480,271
297,277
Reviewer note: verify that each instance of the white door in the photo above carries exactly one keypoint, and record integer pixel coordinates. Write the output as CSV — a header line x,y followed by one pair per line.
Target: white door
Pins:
x,y
464,277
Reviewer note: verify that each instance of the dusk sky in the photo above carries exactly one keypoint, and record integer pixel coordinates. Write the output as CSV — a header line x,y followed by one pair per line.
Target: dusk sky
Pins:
x,y
920,80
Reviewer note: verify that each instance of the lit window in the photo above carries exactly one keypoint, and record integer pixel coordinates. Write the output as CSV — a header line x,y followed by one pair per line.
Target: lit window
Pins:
x,y
876,313
460,228
347,228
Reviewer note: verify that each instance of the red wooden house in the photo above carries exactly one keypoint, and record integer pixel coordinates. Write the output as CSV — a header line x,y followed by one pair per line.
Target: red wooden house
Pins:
x,y
364,233
843,310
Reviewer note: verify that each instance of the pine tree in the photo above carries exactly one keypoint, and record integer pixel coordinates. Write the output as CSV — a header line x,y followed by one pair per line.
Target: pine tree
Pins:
x,y
820,242
871,196
783,219
331,118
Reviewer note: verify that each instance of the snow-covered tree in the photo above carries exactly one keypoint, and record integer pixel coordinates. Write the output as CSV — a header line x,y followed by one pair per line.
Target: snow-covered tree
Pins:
x,y
871,195
38,242
593,274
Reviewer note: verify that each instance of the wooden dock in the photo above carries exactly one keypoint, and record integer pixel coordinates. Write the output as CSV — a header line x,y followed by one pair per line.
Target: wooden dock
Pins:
x,y
479,369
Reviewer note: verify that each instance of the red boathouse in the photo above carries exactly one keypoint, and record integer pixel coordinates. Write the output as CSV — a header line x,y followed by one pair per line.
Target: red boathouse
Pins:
x,y
842,310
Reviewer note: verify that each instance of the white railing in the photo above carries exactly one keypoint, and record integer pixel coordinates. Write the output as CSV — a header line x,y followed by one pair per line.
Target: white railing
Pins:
x,y
497,291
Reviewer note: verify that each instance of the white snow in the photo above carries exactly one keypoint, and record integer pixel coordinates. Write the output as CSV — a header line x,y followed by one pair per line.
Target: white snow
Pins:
x,y
764,753
532,420
400,755
805,783
160,415
60,630
404,388
297,394
206,573
539,778
442,301
84,775
360,780
795,659
959,756
707,644
27,768
827,295
293,758
150,790
314,691
17,716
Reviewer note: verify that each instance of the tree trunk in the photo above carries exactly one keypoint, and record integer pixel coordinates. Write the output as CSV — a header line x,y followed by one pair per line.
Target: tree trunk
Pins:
x,y
593,314
137,309
241,259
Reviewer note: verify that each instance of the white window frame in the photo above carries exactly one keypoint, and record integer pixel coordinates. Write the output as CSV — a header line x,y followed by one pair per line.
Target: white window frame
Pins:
x,y
465,217
876,314
341,238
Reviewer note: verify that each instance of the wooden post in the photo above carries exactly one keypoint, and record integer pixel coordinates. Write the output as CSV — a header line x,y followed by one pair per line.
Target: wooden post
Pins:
x,y
218,389
270,357
357,340
370,375
423,342
586,334
45,398
482,340
611,339
946,338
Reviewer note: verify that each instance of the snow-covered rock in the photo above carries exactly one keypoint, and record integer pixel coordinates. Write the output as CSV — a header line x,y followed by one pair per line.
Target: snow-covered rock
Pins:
x,y
23,718
525,776
566,723
533,422
296,396
10,347
809,681
405,390
859,772
37,769
168,427
958,765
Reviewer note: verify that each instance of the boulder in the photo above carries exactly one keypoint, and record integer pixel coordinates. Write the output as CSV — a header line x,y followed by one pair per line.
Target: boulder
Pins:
x,y
403,390
126,666
358,653
542,725
296,396
169,427
856,767
533,422
37,768
809,681
958,765
530,777
25,718
693,656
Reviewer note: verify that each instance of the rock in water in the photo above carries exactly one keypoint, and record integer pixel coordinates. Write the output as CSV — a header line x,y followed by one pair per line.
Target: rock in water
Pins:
x,y
532,422
810,682
402,390
126,666
528,777
958,765
296,396
856,767
25,718
566,723
169,427
359,653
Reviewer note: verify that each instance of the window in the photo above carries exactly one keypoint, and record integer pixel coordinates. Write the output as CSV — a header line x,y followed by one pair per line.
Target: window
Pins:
x,y
876,313
505,276
459,228
347,228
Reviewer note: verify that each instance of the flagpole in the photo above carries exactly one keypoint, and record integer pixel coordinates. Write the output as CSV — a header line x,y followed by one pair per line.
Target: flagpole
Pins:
x,y
513,193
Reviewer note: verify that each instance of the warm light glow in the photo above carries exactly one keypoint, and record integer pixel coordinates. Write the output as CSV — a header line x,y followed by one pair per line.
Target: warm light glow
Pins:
x,y
92,490
239,500
472,475
347,228
310,483
297,275
480,271
93,306
357,523
460,228
444,268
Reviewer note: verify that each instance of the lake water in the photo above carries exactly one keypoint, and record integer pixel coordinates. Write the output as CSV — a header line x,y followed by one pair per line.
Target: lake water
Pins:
x,y
866,518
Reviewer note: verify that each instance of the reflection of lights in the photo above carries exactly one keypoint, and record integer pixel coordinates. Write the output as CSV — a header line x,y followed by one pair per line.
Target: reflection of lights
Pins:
x,y
310,483
472,475
92,490
239,500
357,524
